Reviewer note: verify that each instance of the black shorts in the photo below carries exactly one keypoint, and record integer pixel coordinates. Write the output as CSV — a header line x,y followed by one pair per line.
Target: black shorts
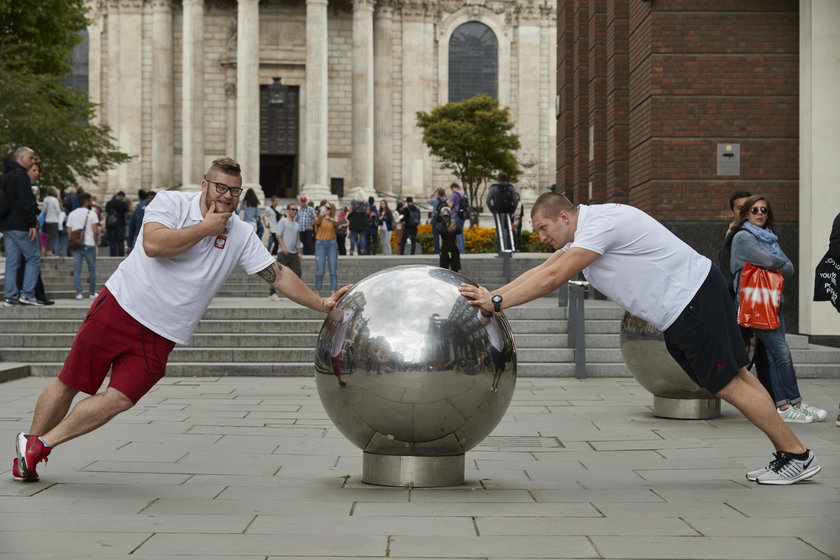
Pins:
x,y
705,339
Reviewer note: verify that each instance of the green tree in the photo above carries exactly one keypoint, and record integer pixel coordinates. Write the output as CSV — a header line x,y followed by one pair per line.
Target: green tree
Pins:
x,y
473,139
36,45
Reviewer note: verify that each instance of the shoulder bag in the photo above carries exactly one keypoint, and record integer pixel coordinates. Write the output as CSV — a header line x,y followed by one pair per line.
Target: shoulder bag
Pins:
x,y
825,281
77,236
759,298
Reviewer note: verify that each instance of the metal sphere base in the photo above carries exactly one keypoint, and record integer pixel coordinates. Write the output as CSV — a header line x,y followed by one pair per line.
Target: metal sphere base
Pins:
x,y
412,471
686,409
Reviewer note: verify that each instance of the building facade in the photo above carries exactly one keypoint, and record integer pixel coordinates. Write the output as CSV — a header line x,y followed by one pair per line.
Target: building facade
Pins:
x,y
672,105
184,82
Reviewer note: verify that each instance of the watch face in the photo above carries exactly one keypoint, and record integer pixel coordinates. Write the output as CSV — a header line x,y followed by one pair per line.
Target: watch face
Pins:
x,y
497,299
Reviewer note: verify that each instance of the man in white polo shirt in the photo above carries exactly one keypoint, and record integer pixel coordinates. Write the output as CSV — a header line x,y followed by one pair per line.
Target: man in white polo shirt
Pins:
x,y
635,261
188,246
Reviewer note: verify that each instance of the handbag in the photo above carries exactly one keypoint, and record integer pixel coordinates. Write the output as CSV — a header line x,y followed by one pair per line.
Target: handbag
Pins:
x,y
825,281
759,298
77,236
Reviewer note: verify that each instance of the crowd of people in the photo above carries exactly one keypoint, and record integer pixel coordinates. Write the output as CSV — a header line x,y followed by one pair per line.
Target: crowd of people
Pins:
x,y
189,243
40,223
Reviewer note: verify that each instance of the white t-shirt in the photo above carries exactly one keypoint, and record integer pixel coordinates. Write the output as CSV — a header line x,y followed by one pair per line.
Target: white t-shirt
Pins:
x,y
643,267
76,220
170,295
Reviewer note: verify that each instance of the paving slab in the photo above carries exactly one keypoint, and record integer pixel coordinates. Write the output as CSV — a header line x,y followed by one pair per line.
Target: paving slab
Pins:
x,y
252,468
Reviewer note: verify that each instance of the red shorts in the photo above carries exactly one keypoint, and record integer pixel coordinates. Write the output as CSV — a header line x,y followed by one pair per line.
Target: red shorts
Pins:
x,y
111,337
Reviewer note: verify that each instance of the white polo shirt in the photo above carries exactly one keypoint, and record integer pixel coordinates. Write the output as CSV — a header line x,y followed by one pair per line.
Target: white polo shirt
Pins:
x,y
643,267
170,295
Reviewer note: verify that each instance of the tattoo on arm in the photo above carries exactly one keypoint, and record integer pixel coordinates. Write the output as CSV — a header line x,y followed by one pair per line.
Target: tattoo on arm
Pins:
x,y
269,274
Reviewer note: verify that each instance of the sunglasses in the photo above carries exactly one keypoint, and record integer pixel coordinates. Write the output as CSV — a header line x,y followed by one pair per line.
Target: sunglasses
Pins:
x,y
757,209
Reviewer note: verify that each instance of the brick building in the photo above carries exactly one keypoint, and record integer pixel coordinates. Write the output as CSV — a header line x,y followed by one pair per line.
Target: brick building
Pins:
x,y
671,105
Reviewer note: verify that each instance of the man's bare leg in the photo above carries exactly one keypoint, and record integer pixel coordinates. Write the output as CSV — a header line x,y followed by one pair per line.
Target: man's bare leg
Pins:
x,y
87,415
747,394
52,406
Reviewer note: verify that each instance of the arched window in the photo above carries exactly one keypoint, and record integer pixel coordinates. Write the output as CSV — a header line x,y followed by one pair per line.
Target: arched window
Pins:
x,y
473,62
78,76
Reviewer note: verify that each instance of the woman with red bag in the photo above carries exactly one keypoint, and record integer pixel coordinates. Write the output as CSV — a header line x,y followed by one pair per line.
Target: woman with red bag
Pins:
x,y
757,244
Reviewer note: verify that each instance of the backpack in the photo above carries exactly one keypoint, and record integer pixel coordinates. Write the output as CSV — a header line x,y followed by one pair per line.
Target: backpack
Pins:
x,y
440,206
111,220
723,263
464,206
503,198
413,216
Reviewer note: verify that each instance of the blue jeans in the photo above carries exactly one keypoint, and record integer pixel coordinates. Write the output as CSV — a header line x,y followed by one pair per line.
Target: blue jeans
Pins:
x,y
459,239
116,241
19,245
88,253
326,251
782,375
358,241
435,236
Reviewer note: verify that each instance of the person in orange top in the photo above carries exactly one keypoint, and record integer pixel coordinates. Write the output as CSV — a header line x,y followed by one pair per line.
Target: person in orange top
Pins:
x,y
326,246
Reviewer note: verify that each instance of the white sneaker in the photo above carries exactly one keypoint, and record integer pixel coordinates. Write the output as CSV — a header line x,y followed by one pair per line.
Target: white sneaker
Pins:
x,y
787,470
794,415
78,296
274,297
93,295
818,413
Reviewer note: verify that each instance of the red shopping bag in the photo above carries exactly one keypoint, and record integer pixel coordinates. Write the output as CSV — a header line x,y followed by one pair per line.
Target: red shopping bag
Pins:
x,y
759,298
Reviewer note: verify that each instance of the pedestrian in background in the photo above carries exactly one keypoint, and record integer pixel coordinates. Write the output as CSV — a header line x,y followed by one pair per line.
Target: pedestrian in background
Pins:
x,y
20,229
84,217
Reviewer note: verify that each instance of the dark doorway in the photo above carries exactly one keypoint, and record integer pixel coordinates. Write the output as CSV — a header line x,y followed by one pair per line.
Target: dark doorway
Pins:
x,y
278,175
279,133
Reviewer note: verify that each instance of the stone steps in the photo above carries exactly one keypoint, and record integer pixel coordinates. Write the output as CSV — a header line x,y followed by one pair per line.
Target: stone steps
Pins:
x,y
255,336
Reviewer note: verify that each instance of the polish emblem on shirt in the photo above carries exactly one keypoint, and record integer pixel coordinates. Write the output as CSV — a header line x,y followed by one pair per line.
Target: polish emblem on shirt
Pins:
x,y
220,242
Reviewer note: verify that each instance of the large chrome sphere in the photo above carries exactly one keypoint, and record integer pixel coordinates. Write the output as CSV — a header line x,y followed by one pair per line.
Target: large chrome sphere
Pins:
x,y
405,367
676,395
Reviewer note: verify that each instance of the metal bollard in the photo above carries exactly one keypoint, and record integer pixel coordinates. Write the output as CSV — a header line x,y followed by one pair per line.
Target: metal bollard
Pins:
x,y
577,330
563,295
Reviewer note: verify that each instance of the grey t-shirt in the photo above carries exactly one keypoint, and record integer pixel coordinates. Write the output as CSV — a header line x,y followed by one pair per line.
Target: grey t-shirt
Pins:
x,y
290,233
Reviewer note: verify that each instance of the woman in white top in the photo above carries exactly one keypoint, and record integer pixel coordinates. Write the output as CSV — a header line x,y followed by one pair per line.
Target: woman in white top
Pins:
x,y
52,217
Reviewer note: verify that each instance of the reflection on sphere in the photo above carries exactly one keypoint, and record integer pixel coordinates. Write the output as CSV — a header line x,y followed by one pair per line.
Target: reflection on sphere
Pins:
x,y
404,366
647,358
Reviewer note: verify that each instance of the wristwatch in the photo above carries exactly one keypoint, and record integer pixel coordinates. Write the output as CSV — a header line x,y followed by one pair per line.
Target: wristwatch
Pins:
x,y
497,303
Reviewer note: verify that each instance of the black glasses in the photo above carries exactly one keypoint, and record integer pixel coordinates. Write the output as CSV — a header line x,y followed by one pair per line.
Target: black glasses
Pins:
x,y
757,209
292,209
221,188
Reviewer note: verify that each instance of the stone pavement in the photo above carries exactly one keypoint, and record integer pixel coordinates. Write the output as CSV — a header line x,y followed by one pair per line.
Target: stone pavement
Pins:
x,y
246,469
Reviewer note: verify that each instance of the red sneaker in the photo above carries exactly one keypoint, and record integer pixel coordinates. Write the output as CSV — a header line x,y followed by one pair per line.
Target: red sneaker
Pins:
x,y
30,451
17,476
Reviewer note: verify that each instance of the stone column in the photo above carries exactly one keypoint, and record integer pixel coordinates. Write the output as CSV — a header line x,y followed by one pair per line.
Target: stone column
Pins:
x,y
192,95
363,108
163,131
527,114
819,166
125,90
95,58
315,135
383,52
248,91
418,85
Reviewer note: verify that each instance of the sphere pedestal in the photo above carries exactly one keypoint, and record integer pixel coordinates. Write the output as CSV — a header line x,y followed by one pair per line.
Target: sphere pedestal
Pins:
x,y
412,471
686,409
413,375
675,394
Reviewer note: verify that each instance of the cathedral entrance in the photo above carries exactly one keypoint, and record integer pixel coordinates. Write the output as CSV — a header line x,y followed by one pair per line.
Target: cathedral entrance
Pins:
x,y
279,133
